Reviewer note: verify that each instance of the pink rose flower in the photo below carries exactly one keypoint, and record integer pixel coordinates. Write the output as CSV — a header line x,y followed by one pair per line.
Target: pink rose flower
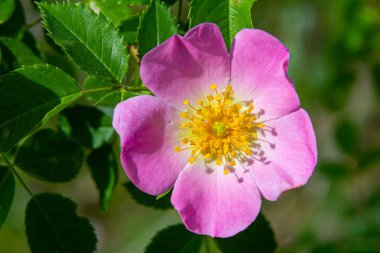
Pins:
x,y
222,128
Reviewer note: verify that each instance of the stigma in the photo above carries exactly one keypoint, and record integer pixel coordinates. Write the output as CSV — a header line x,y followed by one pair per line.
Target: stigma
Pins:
x,y
219,129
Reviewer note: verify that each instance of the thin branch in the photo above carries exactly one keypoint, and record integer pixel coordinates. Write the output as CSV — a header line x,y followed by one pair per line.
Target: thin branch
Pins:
x,y
179,12
10,165
14,171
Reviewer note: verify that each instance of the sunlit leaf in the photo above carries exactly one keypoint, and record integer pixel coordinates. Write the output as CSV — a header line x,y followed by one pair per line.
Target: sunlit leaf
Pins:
x,y
7,192
29,97
115,10
104,169
89,39
6,9
146,199
230,15
156,26
50,156
52,225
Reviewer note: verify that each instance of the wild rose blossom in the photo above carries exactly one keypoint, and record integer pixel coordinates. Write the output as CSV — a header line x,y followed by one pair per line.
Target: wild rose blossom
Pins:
x,y
222,128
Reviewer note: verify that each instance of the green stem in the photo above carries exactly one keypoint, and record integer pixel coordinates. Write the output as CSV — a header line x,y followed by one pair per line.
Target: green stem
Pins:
x,y
207,245
179,12
10,165
137,89
33,23
14,171
30,25
100,89
132,89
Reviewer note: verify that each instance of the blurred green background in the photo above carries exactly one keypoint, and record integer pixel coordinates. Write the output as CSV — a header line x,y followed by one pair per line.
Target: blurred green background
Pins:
x,y
335,65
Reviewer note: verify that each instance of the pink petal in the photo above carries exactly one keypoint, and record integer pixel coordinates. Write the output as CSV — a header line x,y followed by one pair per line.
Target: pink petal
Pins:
x,y
258,71
147,128
185,67
215,204
291,153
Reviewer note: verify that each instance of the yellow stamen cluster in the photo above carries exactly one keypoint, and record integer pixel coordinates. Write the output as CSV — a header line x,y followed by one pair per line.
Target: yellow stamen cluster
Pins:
x,y
219,129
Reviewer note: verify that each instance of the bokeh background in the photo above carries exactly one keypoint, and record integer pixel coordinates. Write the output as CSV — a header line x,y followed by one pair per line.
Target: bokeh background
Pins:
x,y
335,65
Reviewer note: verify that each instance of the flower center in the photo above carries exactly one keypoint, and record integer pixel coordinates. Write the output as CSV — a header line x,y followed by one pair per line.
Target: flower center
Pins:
x,y
219,129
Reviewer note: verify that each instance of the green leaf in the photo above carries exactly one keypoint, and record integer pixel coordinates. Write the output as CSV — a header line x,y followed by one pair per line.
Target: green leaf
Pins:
x,y
22,54
108,97
50,156
104,168
156,26
369,158
175,239
6,9
347,136
29,97
7,192
230,15
115,10
14,26
52,225
334,170
89,39
128,28
88,126
258,237
168,2
136,2
163,194
146,199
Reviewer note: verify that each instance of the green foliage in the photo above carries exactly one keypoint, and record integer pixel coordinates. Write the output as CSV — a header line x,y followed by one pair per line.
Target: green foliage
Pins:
x,y
6,9
13,27
369,158
333,169
109,94
50,156
258,237
136,2
128,28
104,168
169,2
148,200
174,239
156,26
7,192
230,15
29,97
20,52
335,65
347,136
52,225
94,45
88,126
115,10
